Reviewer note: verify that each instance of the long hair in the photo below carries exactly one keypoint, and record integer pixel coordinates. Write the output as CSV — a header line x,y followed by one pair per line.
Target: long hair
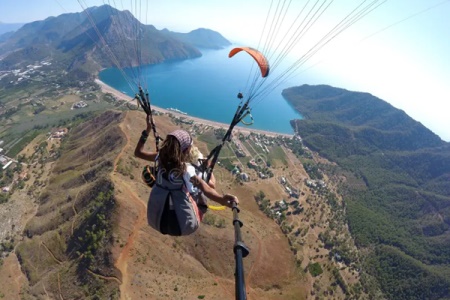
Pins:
x,y
195,156
171,158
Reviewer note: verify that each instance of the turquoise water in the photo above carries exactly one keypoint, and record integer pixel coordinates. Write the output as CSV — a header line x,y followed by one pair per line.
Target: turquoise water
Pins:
x,y
206,87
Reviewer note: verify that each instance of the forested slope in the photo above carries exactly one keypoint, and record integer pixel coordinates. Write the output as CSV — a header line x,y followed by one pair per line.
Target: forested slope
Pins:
x,y
396,190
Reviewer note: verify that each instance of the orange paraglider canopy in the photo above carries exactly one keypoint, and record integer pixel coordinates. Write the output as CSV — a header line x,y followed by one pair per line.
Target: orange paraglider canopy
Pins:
x,y
257,56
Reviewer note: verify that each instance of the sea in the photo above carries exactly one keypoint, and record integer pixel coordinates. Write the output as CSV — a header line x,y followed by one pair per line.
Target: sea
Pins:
x,y
207,88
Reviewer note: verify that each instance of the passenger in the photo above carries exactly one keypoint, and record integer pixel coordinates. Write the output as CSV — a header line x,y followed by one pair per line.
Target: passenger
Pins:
x,y
196,161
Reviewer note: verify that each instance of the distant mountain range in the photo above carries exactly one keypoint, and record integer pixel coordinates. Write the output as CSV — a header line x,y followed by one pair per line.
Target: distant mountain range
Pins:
x,y
395,181
201,38
9,27
101,37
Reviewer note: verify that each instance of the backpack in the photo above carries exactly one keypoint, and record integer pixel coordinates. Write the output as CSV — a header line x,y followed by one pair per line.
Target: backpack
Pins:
x,y
171,208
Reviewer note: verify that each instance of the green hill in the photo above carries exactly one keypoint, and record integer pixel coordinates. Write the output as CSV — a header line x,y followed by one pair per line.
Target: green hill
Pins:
x,y
201,38
395,183
100,37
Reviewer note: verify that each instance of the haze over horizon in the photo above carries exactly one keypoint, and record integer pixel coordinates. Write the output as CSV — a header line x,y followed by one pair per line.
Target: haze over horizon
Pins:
x,y
397,52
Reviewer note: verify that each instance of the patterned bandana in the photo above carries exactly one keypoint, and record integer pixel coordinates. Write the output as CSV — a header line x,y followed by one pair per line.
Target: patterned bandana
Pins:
x,y
183,138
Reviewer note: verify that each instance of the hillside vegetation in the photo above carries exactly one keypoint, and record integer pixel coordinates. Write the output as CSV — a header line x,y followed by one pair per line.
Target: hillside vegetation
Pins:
x,y
396,187
67,246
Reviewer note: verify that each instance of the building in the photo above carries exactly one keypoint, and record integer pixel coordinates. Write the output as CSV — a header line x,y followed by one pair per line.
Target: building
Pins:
x,y
79,104
295,194
252,164
282,204
244,177
262,175
59,133
311,183
322,183
235,171
239,153
7,165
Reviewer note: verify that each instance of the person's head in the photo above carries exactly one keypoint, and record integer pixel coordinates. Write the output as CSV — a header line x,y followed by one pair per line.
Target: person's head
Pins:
x,y
195,155
175,149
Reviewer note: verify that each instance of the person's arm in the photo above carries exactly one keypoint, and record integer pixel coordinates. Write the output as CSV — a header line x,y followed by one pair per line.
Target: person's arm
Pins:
x,y
139,150
226,200
212,181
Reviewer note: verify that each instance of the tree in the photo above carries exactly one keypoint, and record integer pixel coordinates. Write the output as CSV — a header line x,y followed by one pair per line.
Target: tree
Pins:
x,y
3,197
315,269
260,196
220,223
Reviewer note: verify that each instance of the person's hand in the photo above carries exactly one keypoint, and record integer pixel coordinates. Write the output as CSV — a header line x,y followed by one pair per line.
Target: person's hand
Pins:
x,y
195,180
231,199
203,160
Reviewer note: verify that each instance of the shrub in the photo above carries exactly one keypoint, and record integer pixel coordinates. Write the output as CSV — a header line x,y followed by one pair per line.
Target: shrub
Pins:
x,y
315,269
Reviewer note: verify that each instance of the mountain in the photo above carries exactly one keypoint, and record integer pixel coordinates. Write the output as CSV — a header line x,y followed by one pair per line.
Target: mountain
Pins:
x,y
201,38
9,27
47,32
395,181
374,122
5,36
97,38
88,237
75,217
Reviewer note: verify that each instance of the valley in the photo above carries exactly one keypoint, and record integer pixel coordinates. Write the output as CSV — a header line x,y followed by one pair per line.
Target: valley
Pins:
x,y
282,244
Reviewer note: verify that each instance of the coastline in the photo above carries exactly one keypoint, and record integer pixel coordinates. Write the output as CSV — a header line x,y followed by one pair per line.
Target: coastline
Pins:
x,y
109,89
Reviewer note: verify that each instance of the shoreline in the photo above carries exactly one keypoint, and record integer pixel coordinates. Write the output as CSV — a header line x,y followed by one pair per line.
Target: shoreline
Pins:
x,y
109,89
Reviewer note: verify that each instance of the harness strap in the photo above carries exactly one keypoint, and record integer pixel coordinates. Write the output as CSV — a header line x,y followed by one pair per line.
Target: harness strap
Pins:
x,y
144,100
199,209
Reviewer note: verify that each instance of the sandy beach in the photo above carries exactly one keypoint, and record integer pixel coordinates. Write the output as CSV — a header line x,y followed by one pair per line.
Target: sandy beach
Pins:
x,y
119,95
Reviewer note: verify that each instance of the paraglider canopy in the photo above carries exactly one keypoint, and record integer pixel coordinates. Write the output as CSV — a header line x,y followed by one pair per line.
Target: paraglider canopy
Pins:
x,y
257,56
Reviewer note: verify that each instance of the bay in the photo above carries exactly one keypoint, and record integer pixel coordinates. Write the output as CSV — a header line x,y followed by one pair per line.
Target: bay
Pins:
x,y
207,88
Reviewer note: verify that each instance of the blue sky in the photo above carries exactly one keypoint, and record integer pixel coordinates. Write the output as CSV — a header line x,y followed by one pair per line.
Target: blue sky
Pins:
x,y
399,52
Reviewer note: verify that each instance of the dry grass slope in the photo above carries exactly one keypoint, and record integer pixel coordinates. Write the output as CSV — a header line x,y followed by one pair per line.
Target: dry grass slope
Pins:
x,y
163,267
54,254
89,237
